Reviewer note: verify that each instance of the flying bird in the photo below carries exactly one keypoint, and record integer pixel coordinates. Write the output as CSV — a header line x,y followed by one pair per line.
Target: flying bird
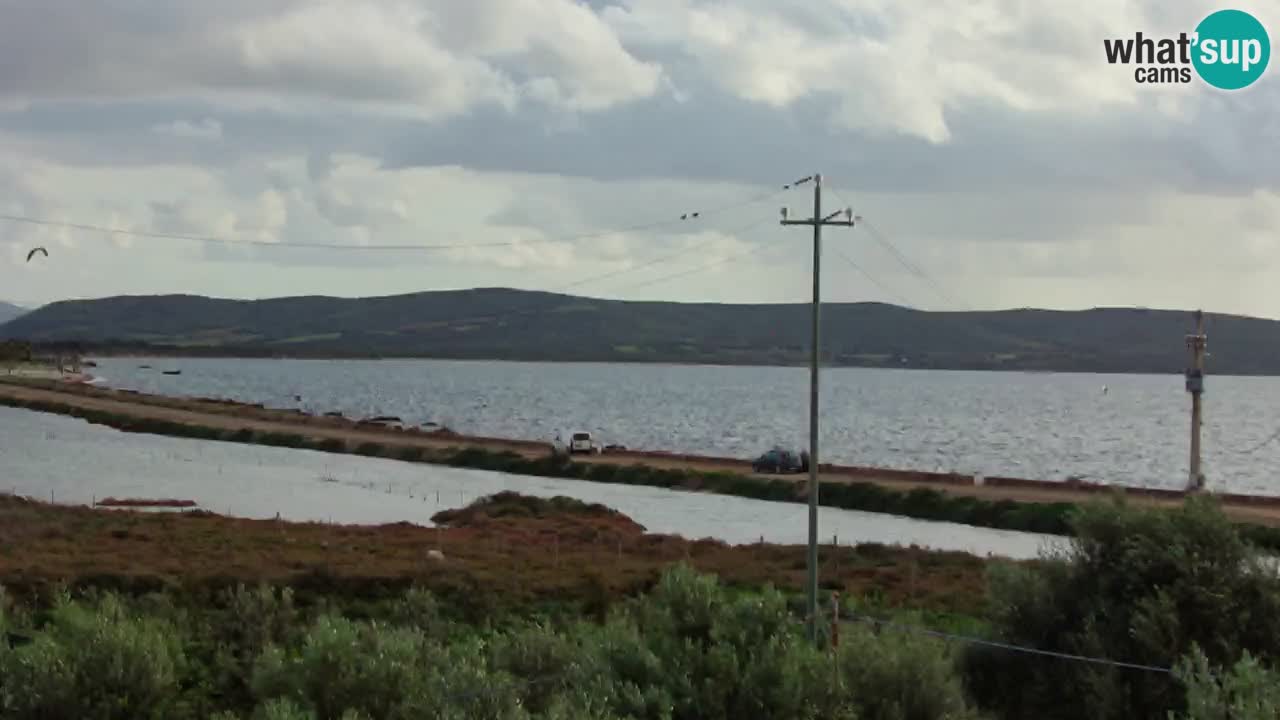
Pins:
x,y
36,250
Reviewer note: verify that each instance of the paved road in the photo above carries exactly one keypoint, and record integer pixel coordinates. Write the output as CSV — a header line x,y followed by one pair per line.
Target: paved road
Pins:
x,y
235,416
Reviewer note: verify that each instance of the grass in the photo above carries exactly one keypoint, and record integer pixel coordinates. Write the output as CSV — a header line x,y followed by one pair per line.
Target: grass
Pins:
x,y
919,503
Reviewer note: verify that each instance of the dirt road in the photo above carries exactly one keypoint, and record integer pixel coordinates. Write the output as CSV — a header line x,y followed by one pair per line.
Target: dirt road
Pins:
x,y
224,415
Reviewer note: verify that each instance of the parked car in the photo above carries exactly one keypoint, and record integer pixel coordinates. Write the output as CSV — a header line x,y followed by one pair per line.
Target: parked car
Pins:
x,y
781,461
581,442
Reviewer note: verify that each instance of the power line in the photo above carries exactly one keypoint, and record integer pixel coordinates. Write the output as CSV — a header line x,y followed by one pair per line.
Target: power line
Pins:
x,y
869,277
731,258
911,266
514,312
235,241
660,259
89,227
907,262
1249,450
914,629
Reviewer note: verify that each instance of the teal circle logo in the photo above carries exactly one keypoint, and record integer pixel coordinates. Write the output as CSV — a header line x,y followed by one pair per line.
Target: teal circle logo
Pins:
x,y
1231,49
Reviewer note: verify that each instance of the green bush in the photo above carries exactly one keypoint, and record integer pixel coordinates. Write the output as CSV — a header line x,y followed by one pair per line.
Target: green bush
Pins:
x,y
901,678
1246,691
95,664
383,672
690,649
1139,586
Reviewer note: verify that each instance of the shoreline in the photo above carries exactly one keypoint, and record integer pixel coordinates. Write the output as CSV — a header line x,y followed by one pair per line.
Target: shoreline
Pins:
x,y
799,365
919,494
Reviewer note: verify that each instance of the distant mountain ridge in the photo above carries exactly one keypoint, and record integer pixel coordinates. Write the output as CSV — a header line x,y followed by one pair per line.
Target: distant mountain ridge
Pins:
x,y
497,323
9,311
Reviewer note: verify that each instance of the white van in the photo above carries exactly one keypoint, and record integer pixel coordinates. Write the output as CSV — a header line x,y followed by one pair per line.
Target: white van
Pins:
x,y
581,442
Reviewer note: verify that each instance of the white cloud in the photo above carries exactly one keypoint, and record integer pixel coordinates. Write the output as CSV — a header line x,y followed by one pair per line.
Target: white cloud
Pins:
x,y
917,65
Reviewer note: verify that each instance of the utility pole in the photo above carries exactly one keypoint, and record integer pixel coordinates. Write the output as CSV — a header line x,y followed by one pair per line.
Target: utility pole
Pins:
x,y
1195,386
817,221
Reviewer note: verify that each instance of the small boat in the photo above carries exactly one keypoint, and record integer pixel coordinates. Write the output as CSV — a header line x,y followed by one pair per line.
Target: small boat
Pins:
x,y
144,367
171,372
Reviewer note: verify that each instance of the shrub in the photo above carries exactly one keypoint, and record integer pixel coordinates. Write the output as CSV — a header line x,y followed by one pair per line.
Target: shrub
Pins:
x,y
900,678
1139,586
339,666
93,663
1247,691
383,672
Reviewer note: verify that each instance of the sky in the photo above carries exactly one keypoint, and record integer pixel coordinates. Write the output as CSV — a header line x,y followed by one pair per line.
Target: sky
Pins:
x,y
995,157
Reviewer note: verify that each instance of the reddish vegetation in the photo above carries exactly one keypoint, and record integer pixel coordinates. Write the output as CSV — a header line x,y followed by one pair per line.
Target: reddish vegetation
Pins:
x,y
145,502
534,521
513,551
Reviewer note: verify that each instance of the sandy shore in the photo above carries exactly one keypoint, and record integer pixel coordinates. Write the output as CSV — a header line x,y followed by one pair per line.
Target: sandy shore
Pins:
x,y
225,415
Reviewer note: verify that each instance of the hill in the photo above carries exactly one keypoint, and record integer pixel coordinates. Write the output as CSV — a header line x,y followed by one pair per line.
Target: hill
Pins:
x,y
522,325
9,311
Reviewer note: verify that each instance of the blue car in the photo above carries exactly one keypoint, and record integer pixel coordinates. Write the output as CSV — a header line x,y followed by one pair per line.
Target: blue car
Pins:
x,y
780,461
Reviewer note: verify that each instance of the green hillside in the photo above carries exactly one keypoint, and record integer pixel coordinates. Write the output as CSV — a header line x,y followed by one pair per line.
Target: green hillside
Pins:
x,y
521,325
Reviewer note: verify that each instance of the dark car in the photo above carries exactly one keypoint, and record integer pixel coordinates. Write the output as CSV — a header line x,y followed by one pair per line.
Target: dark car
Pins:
x,y
781,461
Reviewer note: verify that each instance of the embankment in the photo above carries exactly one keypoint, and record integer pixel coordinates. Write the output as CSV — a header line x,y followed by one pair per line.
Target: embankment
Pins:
x,y
1001,503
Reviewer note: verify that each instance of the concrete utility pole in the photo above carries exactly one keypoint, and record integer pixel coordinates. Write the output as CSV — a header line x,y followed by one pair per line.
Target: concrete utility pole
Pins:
x,y
817,221
1195,385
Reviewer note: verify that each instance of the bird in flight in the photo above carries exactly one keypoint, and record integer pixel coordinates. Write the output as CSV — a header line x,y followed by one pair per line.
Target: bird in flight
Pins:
x,y
36,250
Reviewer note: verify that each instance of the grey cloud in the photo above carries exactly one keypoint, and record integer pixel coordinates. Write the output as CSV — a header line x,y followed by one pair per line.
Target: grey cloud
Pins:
x,y
718,138
390,56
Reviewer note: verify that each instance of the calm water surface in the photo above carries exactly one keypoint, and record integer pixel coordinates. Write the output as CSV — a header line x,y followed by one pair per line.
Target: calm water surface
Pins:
x,y
64,459
1037,425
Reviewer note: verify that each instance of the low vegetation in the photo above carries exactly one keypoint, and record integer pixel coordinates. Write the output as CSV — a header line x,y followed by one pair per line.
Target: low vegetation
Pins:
x,y
504,554
688,649
1156,616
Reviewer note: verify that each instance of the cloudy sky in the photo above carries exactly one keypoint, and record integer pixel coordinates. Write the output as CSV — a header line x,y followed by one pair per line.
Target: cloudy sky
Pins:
x,y
554,144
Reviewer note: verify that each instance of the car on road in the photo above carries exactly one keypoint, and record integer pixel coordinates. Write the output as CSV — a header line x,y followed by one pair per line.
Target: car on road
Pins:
x,y
581,442
781,461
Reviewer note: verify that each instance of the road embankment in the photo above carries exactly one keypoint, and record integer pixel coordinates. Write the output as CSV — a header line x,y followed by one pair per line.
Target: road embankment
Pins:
x,y
1003,503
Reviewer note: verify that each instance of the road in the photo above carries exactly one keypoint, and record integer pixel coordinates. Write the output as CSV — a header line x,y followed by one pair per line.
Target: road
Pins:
x,y
225,415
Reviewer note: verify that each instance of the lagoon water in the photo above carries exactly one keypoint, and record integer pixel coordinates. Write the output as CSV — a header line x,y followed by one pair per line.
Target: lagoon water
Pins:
x,y
1036,425
64,459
